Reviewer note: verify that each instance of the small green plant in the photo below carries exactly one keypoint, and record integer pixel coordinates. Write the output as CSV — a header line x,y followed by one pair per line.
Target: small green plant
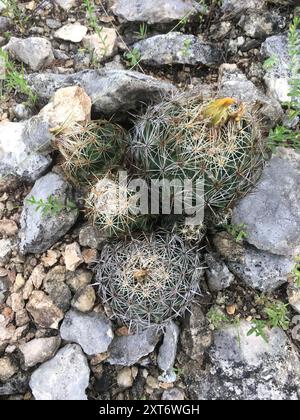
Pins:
x,y
270,62
281,135
237,231
52,205
258,328
296,272
14,79
178,372
94,25
133,57
14,12
217,318
277,314
143,31
186,49
276,317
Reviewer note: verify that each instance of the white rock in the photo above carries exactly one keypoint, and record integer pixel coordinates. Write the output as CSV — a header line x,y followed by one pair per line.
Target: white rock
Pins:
x,y
74,32
39,350
36,52
103,45
25,154
65,377
168,349
124,378
92,331
66,4
68,106
73,256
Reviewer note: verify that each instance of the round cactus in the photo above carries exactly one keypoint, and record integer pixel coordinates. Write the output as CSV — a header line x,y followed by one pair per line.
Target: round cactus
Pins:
x,y
111,207
90,151
178,139
149,280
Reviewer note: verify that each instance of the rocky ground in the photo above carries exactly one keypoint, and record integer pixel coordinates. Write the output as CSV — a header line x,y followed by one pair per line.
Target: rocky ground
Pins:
x,y
54,328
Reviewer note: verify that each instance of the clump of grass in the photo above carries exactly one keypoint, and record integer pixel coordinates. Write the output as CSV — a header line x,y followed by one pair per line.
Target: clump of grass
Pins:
x,y
16,13
14,79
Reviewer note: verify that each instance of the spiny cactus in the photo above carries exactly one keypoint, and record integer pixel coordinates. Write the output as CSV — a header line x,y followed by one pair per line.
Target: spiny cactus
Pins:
x,y
177,139
149,280
111,207
92,150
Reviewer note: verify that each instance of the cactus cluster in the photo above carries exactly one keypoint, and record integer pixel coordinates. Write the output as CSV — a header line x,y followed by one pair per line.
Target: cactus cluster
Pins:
x,y
90,151
149,280
175,139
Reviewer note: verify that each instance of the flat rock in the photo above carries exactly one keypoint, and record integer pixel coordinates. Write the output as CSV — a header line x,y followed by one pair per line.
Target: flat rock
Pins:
x,y
259,24
6,246
5,24
155,12
74,32
8,227
195,337
217,273
73,257
40,231
91,237
68,373
177,48
92,331
234,83
78,279
111,91
7,368
168,349
294,297
36,52
26,153
39,350
68,106
234,7
66,4
246,367
258,269
175,394
278,74
84,299
43,310
128,350
271,213
17,385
